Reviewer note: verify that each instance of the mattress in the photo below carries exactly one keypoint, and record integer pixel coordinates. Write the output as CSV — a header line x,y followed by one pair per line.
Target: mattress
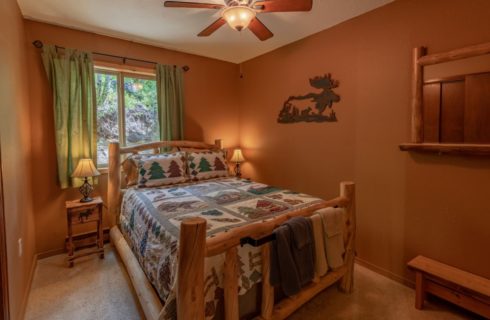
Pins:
x,y
150,220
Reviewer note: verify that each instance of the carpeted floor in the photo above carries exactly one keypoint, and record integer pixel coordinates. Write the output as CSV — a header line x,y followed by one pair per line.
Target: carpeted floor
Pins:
x,y
100,289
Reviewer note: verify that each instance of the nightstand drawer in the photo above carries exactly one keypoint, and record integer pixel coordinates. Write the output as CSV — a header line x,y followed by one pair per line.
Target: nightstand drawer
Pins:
x,y
83,216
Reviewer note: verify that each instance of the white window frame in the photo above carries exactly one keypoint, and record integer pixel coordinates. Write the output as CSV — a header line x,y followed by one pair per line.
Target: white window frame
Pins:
x,y
121,74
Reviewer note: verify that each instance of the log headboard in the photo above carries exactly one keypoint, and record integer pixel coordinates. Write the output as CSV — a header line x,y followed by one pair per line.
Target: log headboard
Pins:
x,y
115,153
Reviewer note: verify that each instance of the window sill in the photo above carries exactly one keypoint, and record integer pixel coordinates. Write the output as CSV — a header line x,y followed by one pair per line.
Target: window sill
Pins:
x,y
103,171
448,148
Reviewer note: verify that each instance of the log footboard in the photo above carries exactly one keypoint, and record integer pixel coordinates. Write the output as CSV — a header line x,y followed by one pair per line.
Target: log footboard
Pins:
x,y
194,247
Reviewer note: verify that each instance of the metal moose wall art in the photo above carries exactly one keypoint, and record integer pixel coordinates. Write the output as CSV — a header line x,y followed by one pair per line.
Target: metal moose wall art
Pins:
x,y
320,101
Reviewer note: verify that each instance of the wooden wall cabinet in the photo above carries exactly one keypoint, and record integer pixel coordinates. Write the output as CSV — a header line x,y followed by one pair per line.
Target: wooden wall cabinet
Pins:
x,y
450,115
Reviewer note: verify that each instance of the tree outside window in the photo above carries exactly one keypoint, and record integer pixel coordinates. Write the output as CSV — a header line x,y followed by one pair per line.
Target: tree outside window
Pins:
x,y
127,110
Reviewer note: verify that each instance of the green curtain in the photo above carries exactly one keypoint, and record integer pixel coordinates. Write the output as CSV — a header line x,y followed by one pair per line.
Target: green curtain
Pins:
x,y
170,102
71,74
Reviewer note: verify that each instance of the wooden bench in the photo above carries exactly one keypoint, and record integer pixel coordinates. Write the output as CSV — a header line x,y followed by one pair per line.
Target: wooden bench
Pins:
x,y
462,288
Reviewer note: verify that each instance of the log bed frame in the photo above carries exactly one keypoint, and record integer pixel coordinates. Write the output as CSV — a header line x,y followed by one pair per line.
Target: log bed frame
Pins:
x,y
194,248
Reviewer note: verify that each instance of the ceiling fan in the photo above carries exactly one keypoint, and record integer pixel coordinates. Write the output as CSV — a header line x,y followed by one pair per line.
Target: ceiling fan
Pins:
x,y
240,14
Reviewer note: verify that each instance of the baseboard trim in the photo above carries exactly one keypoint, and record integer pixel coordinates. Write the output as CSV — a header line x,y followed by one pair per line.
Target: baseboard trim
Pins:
x,y
82,240
50,253
23,307
386,273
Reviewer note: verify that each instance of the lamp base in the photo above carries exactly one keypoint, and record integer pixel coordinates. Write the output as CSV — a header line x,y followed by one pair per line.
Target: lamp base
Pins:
x,y
238,173
86,189
88,199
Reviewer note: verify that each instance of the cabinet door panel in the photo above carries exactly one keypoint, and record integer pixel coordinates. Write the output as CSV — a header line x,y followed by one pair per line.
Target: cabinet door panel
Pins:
x,y
477,109
431,108
452,111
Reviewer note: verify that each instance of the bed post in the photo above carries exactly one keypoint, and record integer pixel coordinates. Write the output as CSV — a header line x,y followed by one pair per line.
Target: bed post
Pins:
x,y
218,143
230,284
267,306
348,190
190,277
114,183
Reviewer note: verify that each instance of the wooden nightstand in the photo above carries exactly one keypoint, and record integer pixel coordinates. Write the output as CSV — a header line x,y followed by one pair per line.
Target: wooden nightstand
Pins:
x,y
79,213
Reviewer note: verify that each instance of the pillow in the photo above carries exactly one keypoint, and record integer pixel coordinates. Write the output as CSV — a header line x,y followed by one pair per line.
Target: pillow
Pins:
x,y
207,165
162,169
130,168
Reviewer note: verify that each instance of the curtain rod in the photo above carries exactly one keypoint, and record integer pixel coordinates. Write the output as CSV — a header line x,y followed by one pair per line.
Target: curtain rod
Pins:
x,y
39,44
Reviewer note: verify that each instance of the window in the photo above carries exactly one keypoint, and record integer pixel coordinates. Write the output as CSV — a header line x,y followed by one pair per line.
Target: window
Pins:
x,y
127,110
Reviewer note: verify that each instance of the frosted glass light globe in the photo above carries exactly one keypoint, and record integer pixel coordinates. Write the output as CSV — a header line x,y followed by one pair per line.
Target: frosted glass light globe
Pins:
x,y
238,17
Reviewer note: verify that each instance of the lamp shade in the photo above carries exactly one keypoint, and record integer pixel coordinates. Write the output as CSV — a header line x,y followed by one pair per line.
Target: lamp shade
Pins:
x,y
238,17
85,168
237,156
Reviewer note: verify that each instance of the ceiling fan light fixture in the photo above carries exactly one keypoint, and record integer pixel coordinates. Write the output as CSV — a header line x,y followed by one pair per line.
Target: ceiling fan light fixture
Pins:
x,y
238,17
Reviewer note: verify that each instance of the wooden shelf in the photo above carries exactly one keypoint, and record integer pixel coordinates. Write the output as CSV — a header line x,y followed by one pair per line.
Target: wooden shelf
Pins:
x,y
448,148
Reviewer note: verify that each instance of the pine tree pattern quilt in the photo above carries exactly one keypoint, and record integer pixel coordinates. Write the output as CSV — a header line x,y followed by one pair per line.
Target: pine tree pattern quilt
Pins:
x,y
150,221
162,169
206,165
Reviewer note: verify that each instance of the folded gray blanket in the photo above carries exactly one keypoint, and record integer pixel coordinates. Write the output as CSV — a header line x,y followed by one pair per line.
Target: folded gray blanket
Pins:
x,y
292,255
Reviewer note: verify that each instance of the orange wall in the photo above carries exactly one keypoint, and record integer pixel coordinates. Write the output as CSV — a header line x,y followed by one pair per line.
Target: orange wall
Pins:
x,y
16,154
408,204
211,112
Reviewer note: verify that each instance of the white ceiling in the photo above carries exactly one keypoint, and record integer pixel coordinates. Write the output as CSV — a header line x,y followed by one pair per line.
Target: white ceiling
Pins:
x,y
149,22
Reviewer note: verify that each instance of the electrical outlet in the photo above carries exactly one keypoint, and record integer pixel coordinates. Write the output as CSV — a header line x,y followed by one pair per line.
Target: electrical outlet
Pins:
x,y
21,247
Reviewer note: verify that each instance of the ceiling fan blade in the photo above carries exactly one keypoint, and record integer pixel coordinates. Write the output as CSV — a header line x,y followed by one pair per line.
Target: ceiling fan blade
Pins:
x,y
179,4
260,30
212,28
283,5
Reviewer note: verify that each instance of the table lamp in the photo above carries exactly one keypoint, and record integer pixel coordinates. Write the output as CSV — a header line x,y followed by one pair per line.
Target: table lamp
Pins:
x,y
237,157
85,169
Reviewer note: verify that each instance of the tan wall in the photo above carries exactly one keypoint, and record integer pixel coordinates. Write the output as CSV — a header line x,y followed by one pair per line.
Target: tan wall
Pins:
x,y
408,204
211,112
16,153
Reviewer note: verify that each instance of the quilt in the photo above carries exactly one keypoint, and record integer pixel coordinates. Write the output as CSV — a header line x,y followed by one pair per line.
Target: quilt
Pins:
x,y
150,220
